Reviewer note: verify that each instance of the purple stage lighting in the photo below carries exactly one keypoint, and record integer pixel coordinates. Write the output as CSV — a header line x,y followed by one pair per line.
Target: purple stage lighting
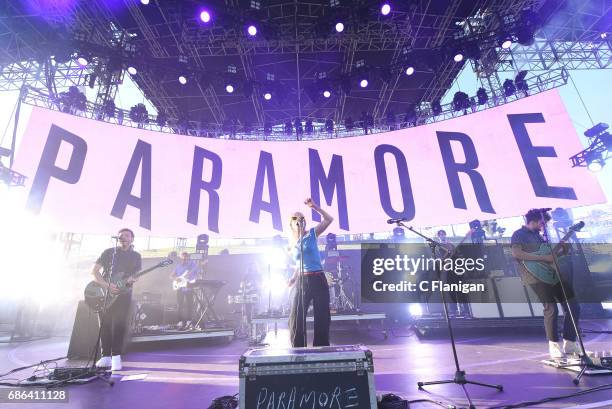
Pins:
x,y
229,88
339,27
82,61
252,30
385,9
182,79
458,57
410,70
205,16
267,96
145,2
363,83
132,70
326,94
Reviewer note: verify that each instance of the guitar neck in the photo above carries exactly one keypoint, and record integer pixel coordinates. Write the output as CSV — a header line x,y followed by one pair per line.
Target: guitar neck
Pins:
x,y
148,270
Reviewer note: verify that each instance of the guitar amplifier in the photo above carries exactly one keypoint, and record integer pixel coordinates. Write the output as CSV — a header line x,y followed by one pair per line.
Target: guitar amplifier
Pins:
x,y
314,378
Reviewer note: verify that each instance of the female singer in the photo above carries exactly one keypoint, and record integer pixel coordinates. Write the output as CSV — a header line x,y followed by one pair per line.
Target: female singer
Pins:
x,y
309,278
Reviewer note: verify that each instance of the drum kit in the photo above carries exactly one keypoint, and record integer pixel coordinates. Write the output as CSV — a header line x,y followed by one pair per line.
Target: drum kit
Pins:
x,y
340,283
247,298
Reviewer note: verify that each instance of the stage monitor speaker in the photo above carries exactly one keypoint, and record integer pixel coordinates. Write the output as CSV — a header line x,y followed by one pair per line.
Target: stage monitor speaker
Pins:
x,y
484,305
84,333
513,299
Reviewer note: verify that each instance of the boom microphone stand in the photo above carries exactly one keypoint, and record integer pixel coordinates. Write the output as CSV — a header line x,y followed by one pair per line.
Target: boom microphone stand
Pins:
x,y
585,361
460,378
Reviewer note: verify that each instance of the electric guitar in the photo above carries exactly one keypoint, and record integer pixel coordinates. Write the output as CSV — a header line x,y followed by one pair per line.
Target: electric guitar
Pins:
x,y
545,272
95,294
181,281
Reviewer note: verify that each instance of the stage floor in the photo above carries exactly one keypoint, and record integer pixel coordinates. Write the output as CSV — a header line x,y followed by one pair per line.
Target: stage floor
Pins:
x,y
190,374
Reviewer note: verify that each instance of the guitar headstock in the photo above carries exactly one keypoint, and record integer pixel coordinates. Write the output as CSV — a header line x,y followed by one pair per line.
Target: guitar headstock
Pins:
x,y
576,227
165,262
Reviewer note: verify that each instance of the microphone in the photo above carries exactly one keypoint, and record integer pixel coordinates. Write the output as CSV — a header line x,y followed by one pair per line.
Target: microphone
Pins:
x,y
115,237
401,219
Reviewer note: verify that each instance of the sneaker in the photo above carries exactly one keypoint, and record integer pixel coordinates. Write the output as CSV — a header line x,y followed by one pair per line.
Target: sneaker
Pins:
x,y
573,348
116,363
554,349
570,347
104,362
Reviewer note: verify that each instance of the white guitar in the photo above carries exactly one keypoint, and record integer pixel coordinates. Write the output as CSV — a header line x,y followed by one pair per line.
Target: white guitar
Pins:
x,y
182,281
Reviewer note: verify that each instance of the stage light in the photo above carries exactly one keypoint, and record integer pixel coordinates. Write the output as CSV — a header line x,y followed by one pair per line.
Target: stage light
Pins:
x,y
329,126
595,161
461,101
182,79
415,309
458,57
410,70
606,305
275,257
309,128
145,2
82,61
520,83
252,30
509,88
326,94
504,41
363,83
339,27
482,96
267,96
436,108
385,9
132,70
205,16
229,88
525,36
596,130
274,283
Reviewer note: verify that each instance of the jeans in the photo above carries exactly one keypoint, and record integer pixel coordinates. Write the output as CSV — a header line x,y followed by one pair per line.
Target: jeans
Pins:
x,y
315,289
114,325
550,295
185,304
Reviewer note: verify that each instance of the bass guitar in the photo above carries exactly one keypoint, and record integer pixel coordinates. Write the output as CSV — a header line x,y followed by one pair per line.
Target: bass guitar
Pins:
x,y
95,293
545,272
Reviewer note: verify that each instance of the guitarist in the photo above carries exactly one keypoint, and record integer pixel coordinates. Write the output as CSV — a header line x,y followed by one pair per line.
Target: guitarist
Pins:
x,y
187,269
526,241
113,321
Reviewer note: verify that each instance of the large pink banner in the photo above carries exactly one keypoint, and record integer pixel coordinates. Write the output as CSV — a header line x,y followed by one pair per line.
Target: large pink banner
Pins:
x,y
94,177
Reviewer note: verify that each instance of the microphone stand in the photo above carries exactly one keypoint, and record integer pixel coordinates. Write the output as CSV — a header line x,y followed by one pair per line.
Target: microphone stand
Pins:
x,y
585,361
301,283
93,370
460,378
